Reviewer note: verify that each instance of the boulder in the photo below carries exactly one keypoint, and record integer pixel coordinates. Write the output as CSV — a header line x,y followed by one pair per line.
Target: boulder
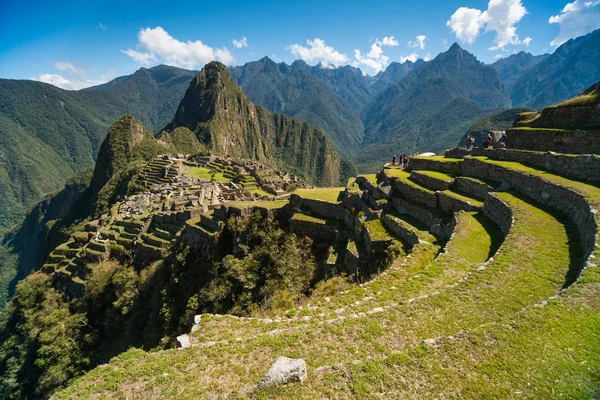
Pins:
x,y
284,370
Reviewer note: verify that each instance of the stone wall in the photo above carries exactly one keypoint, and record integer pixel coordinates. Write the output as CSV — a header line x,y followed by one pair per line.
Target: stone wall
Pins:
x,y
315,230
435,224
585,167
432,164
401,230
415,194
580,117
562,141
450,204
560,198
200,241
430,182
324,209
499,212
472,187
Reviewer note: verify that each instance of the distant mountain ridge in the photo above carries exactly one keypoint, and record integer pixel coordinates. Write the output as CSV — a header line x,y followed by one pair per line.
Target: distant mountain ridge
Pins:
x,y
571,69
511,68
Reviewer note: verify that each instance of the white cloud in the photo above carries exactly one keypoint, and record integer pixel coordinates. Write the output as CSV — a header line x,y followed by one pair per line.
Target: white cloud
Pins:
x,y
501,17
527,41
142,58
67,66
238,44
576,19
160,45
64,83
375,60
102,26
427,57
418,42
318,51
411,57
466,23
387,41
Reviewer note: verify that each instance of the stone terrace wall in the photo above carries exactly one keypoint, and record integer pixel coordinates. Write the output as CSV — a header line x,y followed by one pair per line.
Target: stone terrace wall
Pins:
x,y
472,187
556,197
585,167
395,225
324,209
579,117
427,163
499,212
575,142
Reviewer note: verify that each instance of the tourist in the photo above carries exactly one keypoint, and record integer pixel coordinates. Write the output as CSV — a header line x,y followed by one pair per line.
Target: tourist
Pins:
x,y
487,142
394,160
502,142
471,142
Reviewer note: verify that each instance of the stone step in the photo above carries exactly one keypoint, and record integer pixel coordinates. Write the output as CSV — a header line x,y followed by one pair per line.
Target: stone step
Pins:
x,y
410,190
155,241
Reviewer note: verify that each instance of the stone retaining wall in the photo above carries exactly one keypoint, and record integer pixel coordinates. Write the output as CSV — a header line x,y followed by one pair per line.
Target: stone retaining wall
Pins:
x,y
582,117
401,230
430,182
199,240
430,164
415,194
472,187
499,212
557,197
450,204
585,167
435,224
562,141
315,230
324,209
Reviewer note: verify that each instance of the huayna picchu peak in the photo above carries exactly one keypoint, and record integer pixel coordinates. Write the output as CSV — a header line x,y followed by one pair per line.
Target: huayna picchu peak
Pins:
x,y
224,119
334,224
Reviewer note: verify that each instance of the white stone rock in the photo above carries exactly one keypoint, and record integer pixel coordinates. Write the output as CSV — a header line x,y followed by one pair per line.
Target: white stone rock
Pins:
x,y
184,341
284,370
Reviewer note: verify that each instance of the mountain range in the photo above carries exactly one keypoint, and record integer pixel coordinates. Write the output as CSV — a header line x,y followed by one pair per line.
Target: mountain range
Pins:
x,y
47,134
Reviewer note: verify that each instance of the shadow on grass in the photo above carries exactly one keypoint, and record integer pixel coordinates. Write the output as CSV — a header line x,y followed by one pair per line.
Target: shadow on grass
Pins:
x,y
496,236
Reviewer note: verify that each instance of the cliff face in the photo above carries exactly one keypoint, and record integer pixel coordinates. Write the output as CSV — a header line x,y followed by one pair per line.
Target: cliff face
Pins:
x,y
225,120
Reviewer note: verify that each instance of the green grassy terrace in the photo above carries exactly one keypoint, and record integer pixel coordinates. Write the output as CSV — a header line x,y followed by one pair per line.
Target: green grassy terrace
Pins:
x,y
446,327
326,194
437,175
308,218
205,173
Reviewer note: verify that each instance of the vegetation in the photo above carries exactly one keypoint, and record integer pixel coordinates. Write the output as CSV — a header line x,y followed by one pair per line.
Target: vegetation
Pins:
x,y
331,195
589,98
207,174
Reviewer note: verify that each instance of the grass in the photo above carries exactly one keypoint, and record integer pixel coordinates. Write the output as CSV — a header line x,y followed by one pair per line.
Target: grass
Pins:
x,y
326,194
403,176
497,328
586,100
436,175
377,231
261,203
260,192
371,178
205,173
491,340
465,198
308,218
440,158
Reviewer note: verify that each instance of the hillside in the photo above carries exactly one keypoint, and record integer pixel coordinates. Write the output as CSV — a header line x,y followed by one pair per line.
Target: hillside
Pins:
x,y
224,119
393,73
568,71
302,92
439,269
430,107
511,68
47,134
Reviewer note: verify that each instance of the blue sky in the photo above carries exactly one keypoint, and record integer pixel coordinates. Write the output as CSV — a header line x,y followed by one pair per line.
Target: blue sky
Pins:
x,y
78,44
